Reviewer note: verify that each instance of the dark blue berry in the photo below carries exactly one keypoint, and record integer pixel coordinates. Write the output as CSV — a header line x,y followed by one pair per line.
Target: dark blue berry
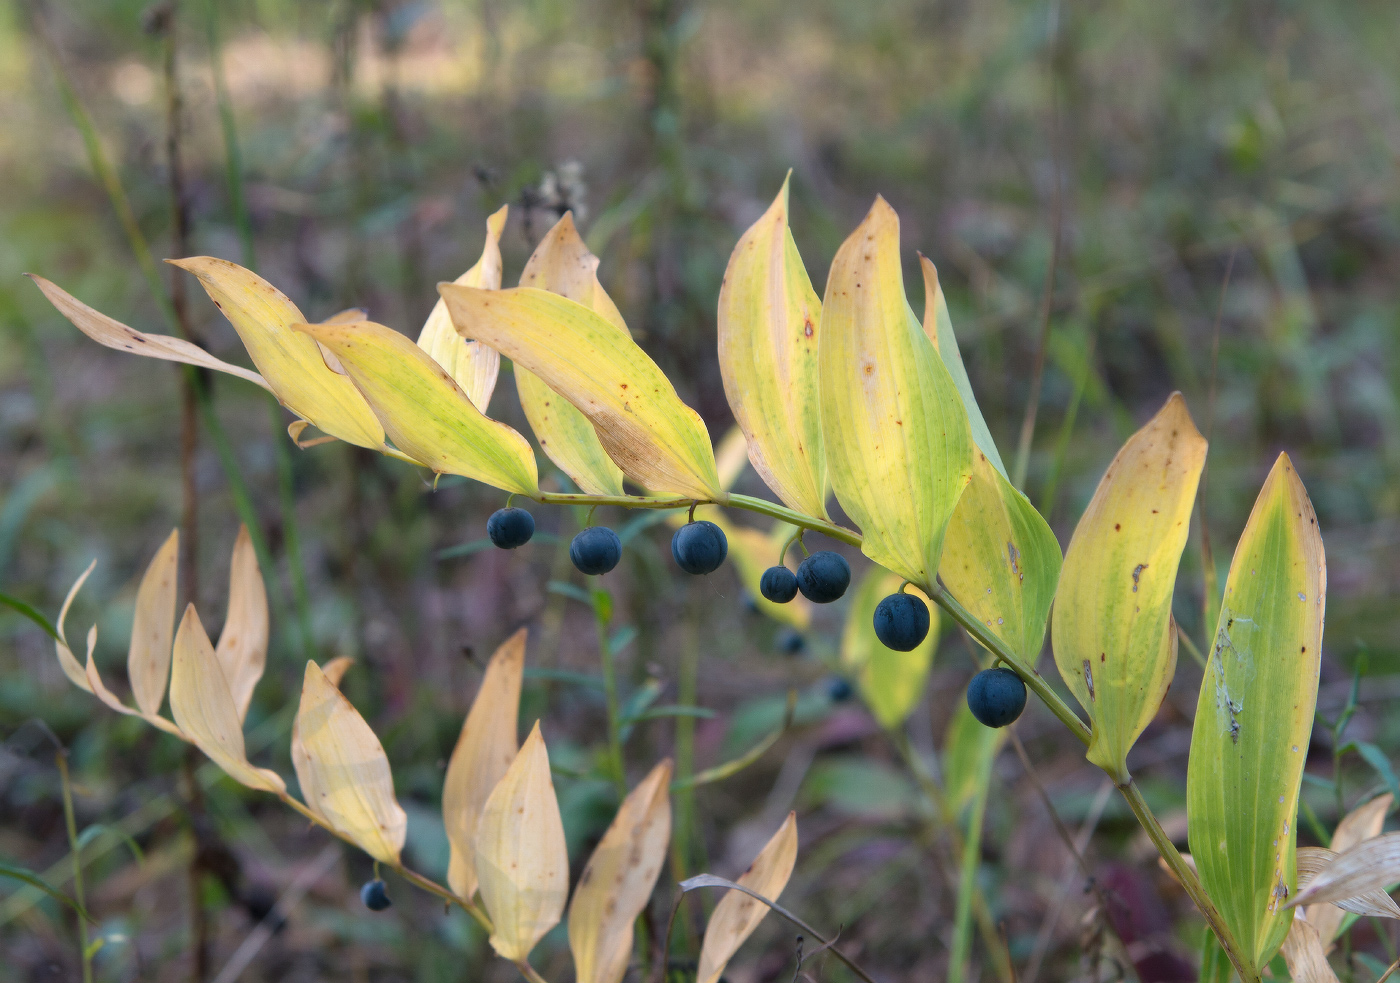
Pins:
x,y
510,528
791,642
838,689
374,895
901,622
823,577
596,550
699,547
778,584
996,697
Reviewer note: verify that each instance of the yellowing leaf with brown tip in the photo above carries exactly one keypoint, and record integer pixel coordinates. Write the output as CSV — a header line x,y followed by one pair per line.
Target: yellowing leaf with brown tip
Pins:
x,y
617,882
657,441
344,776
424,411
484,751
1114,638
242,648
769,328
521,858
203,707
291,363
562,264
898,445
737,914
471,364
153,628
1254,717
113,334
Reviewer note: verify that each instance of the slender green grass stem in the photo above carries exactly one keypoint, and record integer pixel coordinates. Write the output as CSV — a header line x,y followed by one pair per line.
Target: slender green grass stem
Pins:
x,y
967,882
1188,879
70,823
605,657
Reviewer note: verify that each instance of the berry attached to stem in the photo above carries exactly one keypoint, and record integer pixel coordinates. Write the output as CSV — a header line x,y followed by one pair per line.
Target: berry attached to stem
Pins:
x,y
901,622
510,528
596,550
996,697
699,547
823,577
375,895
778,584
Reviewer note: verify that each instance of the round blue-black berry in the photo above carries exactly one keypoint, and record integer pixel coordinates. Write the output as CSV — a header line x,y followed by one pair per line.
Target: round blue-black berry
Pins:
x,y
791,642
699,547
510,528
838,689
596,550
778,584
823,577
374,895
901,622
996,697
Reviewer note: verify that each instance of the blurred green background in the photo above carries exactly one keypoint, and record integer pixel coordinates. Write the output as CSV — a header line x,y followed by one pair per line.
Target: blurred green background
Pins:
x,y
1149,150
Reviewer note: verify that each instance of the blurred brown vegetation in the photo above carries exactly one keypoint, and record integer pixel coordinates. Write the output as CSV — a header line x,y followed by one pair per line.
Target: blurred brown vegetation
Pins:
x,y
1168,144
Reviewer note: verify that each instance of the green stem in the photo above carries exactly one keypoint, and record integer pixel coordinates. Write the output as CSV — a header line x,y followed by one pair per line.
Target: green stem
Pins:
x,y
61,759
605,656
967,882
1188,879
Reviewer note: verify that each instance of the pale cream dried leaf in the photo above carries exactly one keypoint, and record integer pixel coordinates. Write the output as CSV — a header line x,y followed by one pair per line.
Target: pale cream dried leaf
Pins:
x,y
1302,950
738,914
242,648
68,662
617,882
1371,865
1313,860
344,772
204,709
153,628
484,751
521,858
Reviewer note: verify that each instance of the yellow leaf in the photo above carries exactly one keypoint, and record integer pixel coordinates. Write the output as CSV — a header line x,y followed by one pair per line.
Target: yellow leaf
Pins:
x,y
484,751
291,363
113,334
423,409
1361,824
737,914
657,441
334,671
242,648
1114,638
345,772
68,662
204,709
731,456
938,326
1001,560
617,882
562,264
471,364
521,859
891,683
153,628
898,446
769,325
1254,717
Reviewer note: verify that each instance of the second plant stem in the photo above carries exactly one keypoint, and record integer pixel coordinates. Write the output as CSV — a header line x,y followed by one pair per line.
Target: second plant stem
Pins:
x,y
602,601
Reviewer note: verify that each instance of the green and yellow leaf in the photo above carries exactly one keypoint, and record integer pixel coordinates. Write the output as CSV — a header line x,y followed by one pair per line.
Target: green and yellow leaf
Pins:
x,y
521,858
472,365
242,648
204,710
424,411
738,914
1114,638
769,326
1001,560
617,882
898,445
562,264
891,683
1255,715
291,363
344,774
657,441
484,751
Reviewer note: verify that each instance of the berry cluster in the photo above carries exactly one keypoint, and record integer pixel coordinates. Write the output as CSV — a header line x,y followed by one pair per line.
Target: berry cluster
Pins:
x,y
698,547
